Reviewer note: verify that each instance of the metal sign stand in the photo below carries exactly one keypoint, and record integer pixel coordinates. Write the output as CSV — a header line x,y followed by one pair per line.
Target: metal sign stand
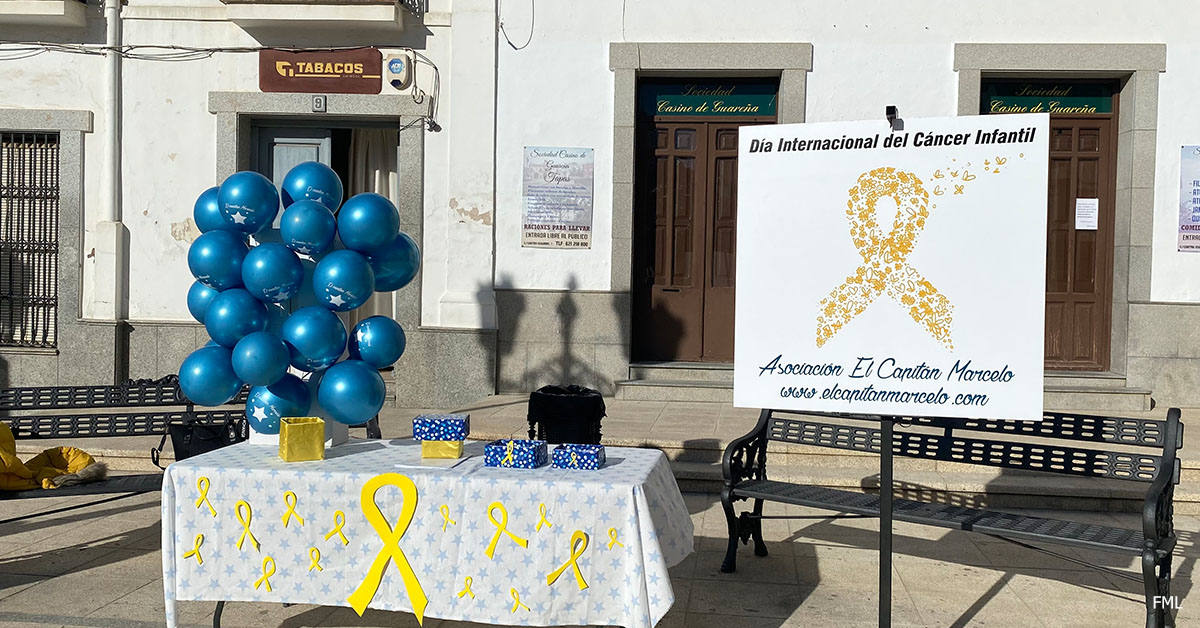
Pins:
x,y
885,521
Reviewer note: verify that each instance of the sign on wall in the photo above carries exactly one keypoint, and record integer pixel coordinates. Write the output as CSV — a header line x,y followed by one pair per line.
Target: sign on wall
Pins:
x,y
556,191
1189,198
356,71
898,273
708,97
1054,97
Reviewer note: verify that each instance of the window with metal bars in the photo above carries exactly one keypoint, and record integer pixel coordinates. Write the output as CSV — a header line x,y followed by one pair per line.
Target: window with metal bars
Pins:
x,y
29,189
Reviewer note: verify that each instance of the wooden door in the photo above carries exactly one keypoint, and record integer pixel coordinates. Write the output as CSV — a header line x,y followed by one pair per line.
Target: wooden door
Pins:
x,y
1079,261
720,238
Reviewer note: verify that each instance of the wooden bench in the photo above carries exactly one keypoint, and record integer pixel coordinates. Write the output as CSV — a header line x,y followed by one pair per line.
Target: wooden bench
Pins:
x,y
1059,444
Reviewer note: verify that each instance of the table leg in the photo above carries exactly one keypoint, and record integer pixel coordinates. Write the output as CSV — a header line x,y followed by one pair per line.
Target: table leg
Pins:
x,y
885,522
217,614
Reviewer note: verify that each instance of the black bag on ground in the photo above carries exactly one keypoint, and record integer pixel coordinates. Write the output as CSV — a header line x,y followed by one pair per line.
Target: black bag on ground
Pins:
x,y
566,414
192,438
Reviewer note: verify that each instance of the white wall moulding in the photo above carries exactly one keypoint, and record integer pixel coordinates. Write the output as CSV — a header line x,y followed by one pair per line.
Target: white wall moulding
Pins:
x,y
373,15
69,13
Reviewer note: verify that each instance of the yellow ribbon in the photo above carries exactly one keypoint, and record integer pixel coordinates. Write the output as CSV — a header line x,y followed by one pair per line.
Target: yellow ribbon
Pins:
x,y
467,588
612,538
516,600
445,510
202,484
542,520
390,536
245,521
579,544
507,460
268,571
501,528
195,551
884,268
574,461
339,521
289,498
314,555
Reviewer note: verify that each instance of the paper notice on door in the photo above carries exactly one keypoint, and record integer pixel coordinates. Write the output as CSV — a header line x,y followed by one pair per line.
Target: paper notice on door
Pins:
x,y
1087,214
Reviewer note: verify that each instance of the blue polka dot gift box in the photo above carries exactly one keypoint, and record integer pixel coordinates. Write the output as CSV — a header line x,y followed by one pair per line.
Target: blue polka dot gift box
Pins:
x,y
515,454
442,427
571,456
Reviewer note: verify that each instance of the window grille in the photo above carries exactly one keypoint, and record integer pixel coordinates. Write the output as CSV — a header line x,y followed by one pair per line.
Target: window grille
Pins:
x,y
29,191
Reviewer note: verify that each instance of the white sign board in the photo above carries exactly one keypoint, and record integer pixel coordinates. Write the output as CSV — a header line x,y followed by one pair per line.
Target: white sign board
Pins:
x,y
1189,198
1087,214
893,272
556,187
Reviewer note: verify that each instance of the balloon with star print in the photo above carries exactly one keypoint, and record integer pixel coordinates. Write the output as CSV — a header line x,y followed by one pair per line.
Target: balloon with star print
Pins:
x,y
343,280
248,201
267,405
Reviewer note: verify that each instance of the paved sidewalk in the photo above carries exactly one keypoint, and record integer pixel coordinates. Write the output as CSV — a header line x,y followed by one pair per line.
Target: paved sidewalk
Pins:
x,y
100,566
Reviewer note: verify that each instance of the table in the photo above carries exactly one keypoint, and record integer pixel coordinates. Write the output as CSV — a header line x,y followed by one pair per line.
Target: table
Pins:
x,y
373,524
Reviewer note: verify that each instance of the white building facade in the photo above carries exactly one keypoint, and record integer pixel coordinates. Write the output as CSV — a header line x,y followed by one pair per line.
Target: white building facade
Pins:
x,y
646,310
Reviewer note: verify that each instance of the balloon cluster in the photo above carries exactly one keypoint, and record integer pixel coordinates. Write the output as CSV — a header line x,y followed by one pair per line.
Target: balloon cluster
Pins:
x,y
270,307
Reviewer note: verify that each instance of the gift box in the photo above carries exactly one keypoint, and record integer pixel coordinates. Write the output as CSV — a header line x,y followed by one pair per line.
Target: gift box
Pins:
x,y
442,427
589,457
441,449
515,453
301,439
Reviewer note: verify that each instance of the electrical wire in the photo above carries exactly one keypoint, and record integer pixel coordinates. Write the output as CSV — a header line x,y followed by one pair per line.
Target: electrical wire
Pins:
x,y
527,39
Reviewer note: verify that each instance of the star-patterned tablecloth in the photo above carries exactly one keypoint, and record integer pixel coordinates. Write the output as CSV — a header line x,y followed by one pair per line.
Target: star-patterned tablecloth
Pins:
x,y
373,524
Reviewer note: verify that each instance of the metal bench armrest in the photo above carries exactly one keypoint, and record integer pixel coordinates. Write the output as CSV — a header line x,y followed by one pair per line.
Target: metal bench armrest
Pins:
x,y
1158,510
746,456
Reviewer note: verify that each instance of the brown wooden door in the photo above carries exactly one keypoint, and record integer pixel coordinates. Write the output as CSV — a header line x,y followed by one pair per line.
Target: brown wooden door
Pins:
x,y
1079,262
721,236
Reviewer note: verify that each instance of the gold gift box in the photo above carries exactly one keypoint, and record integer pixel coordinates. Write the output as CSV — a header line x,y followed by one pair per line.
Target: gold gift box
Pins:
x,y
301,439
441,448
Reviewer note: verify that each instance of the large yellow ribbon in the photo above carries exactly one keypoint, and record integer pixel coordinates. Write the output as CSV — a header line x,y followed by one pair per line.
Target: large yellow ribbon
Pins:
x,y
542,520
507,460
884,268
289,498
339,522
267,572
445,510
517,603
245,519
579,543
390,536
501,528
467,588
202,484
195,551
612,538
314,556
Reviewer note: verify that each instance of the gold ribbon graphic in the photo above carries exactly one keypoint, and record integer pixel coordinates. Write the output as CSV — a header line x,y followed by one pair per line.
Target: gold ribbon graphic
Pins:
x,y
467,588
245,519
501,528
445,510
612,538
195,551
390,551
268,571
202,484
574,461
517,603
339,522
507,460
314,555
884,268
542,520
289,498
579,543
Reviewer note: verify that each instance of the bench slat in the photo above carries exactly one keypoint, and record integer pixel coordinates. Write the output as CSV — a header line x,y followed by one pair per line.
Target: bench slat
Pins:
x,y
948,516
89,425
135,394
116,484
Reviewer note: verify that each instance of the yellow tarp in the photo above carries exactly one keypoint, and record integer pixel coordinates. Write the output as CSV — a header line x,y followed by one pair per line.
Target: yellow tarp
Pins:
x,y
40,471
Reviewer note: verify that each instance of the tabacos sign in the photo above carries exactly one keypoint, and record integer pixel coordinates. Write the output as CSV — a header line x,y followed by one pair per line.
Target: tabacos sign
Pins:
x,y
356,71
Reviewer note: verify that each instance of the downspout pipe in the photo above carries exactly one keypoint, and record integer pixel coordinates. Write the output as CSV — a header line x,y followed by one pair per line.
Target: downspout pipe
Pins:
x,y
112,165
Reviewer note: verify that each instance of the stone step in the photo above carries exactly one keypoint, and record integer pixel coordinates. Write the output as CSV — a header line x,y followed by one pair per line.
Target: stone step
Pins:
x,y
675,390
1060,379
681,371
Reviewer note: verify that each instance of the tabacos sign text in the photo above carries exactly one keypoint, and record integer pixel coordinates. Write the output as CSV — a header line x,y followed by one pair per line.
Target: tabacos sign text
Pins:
x,y
356,71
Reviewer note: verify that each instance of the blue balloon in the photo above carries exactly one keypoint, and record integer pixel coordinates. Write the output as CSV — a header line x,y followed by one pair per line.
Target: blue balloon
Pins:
x,y
351,392
247,201
396,264
343,280
272,272
368,222
315,338
199,297
266,405
260,358
207,213
308,227
206,377
232,315
215,258
313,181
377,340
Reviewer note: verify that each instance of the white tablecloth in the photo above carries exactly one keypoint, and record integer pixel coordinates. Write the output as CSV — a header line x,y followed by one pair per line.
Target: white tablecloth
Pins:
x,y
624,524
